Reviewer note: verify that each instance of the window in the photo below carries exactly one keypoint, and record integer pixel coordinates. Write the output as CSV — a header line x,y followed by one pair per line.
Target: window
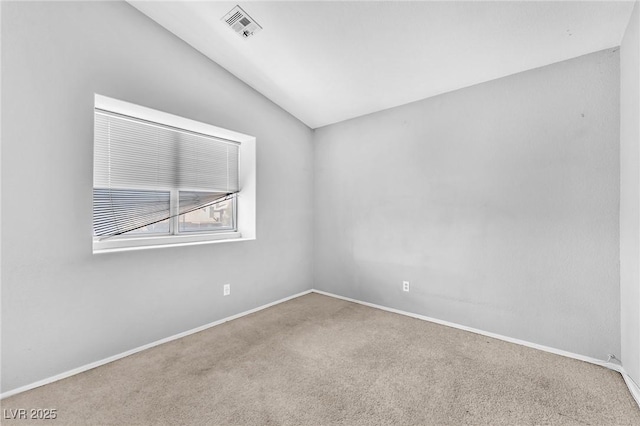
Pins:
x,y
161,179
219,216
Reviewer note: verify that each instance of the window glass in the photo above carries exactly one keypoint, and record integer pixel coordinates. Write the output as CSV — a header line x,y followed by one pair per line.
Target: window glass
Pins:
x,y
215,217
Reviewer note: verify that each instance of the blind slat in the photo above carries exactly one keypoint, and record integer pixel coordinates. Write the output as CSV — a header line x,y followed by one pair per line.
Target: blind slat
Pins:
x,y
131,153
116,211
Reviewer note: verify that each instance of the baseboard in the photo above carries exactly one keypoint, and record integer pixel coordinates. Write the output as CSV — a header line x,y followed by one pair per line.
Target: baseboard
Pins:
x,y
633,386
602,363
142,348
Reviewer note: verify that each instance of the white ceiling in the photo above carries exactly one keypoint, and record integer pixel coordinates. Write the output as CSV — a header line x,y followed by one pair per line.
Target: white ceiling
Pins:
x,y
326,62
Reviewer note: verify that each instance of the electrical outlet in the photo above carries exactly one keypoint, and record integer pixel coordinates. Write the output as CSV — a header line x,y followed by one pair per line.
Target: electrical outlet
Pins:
x,y
405,285
227,289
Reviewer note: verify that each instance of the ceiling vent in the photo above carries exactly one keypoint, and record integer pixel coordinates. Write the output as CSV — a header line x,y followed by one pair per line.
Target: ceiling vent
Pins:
x,y
241,23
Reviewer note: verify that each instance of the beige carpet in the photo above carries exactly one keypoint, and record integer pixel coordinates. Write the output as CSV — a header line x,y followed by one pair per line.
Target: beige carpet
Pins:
x,y
317,360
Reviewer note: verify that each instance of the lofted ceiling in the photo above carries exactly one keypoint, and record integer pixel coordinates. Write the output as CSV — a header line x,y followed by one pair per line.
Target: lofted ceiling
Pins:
x,y
329,61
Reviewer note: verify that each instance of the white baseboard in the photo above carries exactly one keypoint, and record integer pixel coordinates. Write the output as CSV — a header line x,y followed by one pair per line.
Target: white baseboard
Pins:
x,y
141,348
633,387
602,363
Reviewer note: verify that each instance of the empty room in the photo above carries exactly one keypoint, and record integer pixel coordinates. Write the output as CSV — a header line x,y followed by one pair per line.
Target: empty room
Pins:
x,y
317,213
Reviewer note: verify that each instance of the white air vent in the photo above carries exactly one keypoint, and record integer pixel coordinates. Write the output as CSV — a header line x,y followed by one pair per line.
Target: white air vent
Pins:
x,y
241,23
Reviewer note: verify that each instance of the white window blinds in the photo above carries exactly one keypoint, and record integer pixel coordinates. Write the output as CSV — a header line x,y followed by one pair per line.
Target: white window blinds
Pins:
x,y
137,163
116,211
132,153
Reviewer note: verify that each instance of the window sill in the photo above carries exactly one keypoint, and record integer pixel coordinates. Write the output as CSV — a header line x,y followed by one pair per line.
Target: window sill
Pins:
x,y
145,243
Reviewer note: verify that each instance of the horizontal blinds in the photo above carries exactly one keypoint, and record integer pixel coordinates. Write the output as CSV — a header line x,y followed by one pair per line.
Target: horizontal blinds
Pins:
x,y
133,153
137,163
117,211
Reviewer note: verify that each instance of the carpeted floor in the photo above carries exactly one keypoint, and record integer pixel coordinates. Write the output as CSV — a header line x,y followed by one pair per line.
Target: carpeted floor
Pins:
x,y
317,360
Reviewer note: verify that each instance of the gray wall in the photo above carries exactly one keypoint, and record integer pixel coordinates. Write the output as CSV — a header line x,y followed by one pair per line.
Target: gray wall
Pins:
x,y
498,202
630,196
63,307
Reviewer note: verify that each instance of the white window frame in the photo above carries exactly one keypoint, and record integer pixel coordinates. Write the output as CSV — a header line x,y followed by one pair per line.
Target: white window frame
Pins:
x,y
245,204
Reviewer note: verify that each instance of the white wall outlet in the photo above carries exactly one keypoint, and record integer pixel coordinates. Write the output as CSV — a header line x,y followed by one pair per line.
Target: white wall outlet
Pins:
x,y
226,289
405,285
